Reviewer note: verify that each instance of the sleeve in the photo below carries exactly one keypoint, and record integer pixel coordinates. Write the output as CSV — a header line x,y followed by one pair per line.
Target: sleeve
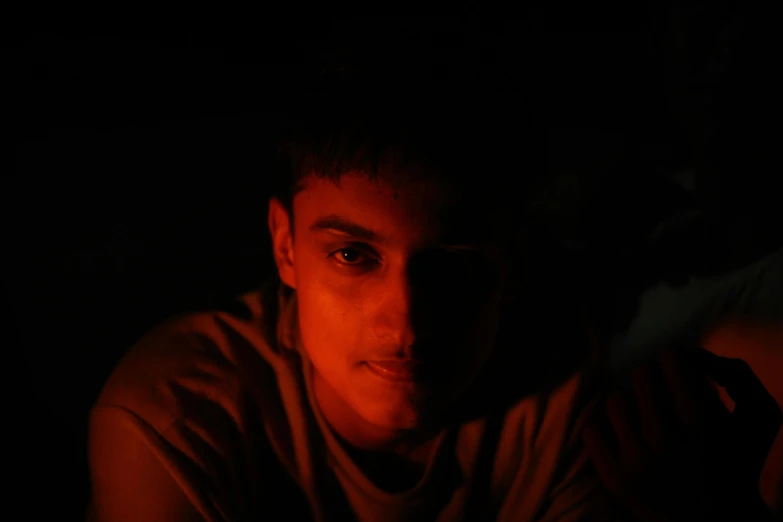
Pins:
x,y
130,483
580,497
577,493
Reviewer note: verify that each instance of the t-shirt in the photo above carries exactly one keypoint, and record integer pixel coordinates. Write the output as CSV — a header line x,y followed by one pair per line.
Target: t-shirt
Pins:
x,y
211,417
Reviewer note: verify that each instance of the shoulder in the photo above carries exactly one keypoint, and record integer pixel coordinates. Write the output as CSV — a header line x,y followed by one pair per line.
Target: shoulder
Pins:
x,y
552,418
541,464
192,362
539,430
181,410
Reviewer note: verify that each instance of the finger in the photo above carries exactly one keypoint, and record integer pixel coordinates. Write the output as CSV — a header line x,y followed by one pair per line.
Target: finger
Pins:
x,y
650,398
604,456
751,399
715,403
736,376
682,383
757,417
629,438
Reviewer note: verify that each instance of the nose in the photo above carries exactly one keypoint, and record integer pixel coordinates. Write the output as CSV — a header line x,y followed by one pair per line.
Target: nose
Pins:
x,y
393,324
419,305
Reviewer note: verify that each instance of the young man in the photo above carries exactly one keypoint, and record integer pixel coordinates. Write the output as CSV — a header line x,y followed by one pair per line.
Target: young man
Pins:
x,y
367,382
401,366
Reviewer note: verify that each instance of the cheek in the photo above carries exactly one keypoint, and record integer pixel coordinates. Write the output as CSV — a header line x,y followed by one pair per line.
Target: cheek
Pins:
x,y
329,320
471,318
483,326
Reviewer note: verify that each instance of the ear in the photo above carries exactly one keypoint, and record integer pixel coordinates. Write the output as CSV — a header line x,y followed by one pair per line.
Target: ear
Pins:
x,y
281,229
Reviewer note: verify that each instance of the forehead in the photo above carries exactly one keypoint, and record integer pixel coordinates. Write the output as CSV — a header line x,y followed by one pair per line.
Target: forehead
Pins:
x,y
425,211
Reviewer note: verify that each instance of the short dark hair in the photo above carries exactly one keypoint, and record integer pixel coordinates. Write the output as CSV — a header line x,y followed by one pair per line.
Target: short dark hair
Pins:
x,y
460,126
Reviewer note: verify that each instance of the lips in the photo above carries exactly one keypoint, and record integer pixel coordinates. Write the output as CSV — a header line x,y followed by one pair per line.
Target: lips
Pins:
x,y
396,370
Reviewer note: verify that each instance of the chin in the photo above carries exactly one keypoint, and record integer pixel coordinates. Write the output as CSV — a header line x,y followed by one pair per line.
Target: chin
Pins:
x,y
394,411
394,420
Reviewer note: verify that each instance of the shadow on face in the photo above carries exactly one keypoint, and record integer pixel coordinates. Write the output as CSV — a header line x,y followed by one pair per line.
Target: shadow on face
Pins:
x,y
409,276
414,275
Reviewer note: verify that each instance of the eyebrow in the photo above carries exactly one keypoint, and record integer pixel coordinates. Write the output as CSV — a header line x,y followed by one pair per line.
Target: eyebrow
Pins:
x,y
340,225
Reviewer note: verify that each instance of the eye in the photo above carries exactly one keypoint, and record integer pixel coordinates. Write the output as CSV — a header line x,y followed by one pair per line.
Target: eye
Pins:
x,y
444,266
353,256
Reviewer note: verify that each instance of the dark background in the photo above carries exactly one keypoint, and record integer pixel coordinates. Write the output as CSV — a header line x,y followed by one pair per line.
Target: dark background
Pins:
x,y
143,160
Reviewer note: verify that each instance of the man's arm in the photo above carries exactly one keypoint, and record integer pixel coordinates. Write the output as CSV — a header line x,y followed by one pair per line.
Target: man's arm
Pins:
x,y
129,482
673,450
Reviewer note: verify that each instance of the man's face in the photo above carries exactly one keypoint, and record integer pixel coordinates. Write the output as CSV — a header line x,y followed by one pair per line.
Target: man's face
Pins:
x,y
399,292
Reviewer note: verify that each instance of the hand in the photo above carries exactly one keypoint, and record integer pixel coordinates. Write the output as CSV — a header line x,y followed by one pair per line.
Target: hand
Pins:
x,y
672,451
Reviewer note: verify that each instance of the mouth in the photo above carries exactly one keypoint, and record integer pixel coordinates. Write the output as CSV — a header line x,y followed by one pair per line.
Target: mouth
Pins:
x,y
397,370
